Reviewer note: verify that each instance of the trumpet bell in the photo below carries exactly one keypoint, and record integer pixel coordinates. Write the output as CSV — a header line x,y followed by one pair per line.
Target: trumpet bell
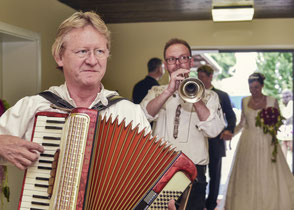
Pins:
x,y
191,90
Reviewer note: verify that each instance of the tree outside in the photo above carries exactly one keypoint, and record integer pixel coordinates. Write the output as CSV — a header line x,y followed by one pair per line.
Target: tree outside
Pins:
x,y
276,66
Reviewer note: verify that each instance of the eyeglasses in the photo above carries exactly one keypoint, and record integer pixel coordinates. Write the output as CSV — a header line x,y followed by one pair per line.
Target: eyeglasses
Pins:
x,y
98,53
182,59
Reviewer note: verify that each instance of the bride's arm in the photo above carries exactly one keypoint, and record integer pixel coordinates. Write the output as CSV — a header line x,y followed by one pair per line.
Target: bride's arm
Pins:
x,y
242,120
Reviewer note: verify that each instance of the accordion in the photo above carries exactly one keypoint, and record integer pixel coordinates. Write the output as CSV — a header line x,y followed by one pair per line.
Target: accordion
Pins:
x,y
102,164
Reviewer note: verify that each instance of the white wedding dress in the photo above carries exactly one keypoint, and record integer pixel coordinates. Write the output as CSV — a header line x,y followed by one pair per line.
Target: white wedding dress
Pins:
x,y
257,183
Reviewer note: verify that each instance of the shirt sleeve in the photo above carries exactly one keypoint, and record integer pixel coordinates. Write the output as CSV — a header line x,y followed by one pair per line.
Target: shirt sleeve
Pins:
x,y
152,93
15,121
242,122
215,122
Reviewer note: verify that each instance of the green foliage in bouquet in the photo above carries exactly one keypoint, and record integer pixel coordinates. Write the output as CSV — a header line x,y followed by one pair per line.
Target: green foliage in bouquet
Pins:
x,y
270,119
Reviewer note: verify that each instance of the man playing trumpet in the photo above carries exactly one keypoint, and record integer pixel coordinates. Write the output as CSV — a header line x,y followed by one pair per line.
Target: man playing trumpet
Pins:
x,y
185,125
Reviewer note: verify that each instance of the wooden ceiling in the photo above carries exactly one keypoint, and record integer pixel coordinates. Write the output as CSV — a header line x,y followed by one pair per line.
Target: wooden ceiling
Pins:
x,y
131,11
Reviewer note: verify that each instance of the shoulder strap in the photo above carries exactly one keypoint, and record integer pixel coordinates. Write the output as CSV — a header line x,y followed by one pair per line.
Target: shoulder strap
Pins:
x,y
113,99
56,100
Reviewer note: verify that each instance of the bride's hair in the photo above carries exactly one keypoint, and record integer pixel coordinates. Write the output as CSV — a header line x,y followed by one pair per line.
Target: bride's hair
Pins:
x,y
259,77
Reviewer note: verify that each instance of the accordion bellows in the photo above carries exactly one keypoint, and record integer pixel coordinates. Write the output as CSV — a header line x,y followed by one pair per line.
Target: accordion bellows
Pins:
x,y
104,164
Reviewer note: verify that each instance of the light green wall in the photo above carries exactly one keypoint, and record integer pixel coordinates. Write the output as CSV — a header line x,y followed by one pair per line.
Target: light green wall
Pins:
x,y
134,43
42,17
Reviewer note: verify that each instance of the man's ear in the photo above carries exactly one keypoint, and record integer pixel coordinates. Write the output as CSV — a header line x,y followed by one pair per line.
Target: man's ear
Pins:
x,y
58,60
165,64
191,62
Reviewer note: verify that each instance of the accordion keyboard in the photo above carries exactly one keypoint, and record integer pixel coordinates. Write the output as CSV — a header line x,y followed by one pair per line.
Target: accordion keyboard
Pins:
x,y
48,132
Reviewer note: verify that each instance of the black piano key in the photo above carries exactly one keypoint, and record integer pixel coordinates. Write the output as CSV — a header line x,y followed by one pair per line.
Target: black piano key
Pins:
x,y
51,138
42,185
53,127
40,203
55,121
45,161
41,197
36,209
46,155
50,145
45,168
42,179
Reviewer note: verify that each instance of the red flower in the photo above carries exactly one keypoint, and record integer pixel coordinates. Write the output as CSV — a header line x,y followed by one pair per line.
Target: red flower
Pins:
x,y
269,119
270,116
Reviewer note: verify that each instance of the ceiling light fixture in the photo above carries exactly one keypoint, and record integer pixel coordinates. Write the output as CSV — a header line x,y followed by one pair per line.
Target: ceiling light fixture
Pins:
x,y
232,13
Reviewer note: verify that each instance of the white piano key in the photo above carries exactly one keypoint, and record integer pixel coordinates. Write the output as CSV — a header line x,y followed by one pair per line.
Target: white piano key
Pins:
x,y
31,198
44,130
29,186
33,175
29,205
35,169
41,141
53,149
44,118
42,135
35,181
50,122
37,163
44,158
31,193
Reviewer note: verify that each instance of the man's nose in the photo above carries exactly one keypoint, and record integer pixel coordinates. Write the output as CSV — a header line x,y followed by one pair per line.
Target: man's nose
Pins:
x,y
91,58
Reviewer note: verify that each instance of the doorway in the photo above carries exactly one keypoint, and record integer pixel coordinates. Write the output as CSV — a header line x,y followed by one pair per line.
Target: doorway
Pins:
x,y
20,75
232,69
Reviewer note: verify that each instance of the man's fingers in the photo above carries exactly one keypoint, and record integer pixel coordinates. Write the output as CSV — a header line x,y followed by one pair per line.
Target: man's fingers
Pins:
x,y
32,146
23,159
171,205
19,166
26,162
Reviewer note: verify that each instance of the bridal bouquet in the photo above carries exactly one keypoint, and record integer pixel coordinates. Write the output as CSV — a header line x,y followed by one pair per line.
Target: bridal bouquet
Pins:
x,y
270,119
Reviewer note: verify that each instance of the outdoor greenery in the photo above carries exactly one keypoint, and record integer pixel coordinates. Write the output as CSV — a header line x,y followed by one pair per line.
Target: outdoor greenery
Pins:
x,y
277,67
226,61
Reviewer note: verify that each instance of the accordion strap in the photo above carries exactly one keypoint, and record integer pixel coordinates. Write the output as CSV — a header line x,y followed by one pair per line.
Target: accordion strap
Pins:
x,y
61,103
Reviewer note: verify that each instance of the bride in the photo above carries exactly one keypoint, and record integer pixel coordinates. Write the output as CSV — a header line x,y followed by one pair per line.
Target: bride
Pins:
x,y
256,182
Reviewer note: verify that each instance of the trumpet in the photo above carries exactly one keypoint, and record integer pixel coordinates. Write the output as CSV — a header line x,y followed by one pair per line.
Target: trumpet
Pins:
x,y
191,90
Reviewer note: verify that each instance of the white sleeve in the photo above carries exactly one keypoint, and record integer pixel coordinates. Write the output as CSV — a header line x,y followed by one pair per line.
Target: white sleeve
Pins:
x,y
152,93
215,123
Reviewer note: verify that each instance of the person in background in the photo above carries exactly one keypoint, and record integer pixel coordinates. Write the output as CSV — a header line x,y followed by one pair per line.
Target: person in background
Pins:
x,y
256,182
217,146
155,72
285,134
185,125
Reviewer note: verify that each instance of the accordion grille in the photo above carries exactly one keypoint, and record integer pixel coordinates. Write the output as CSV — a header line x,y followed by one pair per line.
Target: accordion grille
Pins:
x,y
125,165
